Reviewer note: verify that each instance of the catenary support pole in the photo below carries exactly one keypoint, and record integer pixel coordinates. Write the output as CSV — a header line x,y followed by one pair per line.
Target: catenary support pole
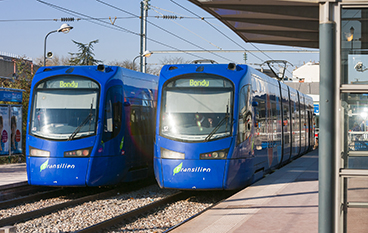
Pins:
x,y
144,12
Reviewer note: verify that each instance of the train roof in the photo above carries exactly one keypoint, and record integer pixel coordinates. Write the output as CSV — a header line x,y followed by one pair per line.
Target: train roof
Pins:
x,y
100,73
226,70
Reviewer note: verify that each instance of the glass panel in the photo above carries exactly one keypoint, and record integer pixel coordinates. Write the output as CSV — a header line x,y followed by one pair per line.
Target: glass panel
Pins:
x,y
194,113
357,109
64,107
356,130
113,112
245,115
354,42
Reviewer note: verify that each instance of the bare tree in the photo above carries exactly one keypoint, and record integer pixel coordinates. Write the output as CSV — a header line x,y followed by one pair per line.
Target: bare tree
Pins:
x,y
149,68
54,61
168,61
129,65
173,60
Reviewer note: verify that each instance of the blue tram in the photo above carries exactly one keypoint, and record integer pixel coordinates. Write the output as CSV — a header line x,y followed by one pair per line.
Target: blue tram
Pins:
x,y
90,126
223,126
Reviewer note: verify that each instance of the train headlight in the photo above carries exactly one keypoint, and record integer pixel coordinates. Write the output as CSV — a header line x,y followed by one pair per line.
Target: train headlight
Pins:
x,y
220,154
39,153
169,154
78,153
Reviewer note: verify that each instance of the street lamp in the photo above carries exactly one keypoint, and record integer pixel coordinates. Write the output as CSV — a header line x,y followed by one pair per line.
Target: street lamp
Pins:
x,y
352,36
146,53
65,28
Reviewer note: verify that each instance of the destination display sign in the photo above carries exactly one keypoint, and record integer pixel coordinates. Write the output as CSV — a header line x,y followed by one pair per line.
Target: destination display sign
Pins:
x,y
68,82
202,82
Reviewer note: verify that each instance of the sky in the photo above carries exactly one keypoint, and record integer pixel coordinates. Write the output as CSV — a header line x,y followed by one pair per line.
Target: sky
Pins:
x,y
25,23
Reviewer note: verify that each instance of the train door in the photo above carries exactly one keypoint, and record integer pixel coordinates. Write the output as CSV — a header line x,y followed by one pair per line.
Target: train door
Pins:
x,y
277,128
306,125
302,125
269,131
112,128
294,123
112,119
286,125
279,132
141,129
296,129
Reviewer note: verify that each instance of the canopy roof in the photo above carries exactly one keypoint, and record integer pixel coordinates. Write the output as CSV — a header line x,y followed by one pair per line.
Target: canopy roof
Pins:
x,y
278,22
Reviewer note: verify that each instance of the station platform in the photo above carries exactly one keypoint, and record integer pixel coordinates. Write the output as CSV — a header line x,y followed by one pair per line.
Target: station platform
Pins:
x,y
12,173
285,201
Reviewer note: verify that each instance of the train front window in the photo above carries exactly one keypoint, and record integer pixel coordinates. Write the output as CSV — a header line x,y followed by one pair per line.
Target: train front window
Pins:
x,y
64,108
198,108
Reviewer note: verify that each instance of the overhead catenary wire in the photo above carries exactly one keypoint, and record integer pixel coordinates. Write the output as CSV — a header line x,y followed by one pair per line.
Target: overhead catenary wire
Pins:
x,y
193,33
99,18
63,19
108,25
224,33
165,30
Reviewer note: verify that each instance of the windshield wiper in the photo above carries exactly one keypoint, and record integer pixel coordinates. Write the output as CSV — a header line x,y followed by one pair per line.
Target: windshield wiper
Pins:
x,y
209,136
76,131
223,120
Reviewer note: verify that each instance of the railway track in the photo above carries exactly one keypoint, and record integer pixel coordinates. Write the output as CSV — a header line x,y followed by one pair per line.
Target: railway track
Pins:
x,y
127,216
152,209
54,192
134,213
16,190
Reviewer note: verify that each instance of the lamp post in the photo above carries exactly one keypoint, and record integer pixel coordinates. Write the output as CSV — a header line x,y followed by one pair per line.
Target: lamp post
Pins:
x,y
65,28
147,53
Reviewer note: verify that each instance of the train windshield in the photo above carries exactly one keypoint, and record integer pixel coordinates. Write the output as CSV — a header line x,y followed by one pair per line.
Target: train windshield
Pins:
x,y
64,108
197,107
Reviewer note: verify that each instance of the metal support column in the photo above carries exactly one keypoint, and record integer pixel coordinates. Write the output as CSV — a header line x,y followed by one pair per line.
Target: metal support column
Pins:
x,y
327,150
144,10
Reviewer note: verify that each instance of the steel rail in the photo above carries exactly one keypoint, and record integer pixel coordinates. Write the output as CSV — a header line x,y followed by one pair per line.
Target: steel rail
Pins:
x,y
144,209
29,198
47,210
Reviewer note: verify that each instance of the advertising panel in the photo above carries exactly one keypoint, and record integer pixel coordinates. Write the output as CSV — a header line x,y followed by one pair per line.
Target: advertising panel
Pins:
x,y
4,129
16,129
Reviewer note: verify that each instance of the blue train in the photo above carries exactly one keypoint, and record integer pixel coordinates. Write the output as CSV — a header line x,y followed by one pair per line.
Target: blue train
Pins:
x,y
223,126
90,126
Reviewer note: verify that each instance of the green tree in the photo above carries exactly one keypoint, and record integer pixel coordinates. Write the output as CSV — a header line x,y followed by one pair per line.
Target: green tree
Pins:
x,y
85,55
22,80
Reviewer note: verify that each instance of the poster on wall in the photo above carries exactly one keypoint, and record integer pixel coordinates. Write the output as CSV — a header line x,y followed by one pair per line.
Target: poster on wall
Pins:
x,y
16,129
4,130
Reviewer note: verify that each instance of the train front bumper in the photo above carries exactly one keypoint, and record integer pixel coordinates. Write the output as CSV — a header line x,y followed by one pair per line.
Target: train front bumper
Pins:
x,y
57,171
190,174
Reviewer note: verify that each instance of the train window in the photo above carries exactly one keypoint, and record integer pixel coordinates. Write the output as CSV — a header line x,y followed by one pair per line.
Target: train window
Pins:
x,y
64,108
198,108
245,115
113,113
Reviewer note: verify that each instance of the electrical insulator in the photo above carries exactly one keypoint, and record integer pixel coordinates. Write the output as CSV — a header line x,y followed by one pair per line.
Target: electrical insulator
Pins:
x,y
70,19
